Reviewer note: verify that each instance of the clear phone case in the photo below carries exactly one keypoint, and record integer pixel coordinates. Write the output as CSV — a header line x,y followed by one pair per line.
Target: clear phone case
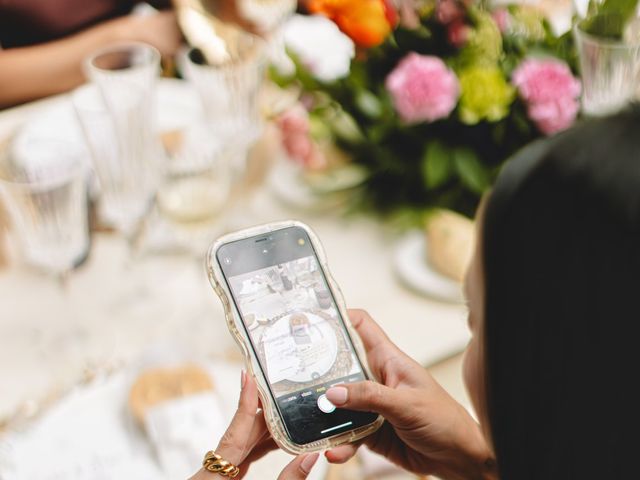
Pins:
x,y
234,322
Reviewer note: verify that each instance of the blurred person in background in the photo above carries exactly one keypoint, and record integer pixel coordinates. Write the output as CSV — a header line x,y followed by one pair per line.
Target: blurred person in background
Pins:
x,y
43,42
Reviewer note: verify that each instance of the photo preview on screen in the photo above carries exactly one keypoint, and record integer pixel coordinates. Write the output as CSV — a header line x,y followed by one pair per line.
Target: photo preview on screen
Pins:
x,y
296,328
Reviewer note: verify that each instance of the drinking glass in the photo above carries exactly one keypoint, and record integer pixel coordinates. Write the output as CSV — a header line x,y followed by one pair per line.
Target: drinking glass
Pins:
x,y
46,201
229,91
124,65
115,112
216,25
230,95
610,71
196,186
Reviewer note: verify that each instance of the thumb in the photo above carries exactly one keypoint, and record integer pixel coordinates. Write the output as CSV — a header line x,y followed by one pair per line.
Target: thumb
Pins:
x,y
299,468
369,396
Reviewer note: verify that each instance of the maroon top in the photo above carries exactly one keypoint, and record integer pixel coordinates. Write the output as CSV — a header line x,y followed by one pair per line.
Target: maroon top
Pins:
x,y
27,22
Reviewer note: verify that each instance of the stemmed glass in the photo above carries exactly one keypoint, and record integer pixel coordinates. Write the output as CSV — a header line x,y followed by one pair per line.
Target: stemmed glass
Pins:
x,y
195,187
115,112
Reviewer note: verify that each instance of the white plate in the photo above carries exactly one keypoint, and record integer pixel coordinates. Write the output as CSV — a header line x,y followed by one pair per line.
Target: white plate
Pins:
x,y
413,269
287,185
313,357
318,192
177,105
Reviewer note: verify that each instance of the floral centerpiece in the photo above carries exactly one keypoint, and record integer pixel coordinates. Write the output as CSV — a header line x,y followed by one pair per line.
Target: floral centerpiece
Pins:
x,y
438,95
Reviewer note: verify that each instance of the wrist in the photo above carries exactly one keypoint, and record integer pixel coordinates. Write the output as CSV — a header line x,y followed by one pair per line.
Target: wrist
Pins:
x,y
470,467
475,459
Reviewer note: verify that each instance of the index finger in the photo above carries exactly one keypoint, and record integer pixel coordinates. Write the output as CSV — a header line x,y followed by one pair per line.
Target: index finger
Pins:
x,y
247,426
369,331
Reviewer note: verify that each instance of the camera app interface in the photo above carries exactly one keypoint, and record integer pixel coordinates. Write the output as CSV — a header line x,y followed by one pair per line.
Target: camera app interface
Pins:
x,y
297,333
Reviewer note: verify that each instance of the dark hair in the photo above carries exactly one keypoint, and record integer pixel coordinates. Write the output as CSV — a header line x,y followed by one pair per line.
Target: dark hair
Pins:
x,y
561,256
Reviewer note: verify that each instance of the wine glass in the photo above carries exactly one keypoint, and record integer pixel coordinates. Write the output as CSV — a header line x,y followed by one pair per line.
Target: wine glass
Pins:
x,y
196,186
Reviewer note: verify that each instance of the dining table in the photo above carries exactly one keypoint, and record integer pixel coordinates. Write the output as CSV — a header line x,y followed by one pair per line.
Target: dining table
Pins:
x,y
115,309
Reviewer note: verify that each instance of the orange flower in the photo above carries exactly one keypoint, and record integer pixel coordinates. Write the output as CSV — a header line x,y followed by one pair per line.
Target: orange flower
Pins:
x,y
366,22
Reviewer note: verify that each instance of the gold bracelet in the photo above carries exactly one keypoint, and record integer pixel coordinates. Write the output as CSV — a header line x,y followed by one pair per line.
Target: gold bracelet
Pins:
x,y
215,463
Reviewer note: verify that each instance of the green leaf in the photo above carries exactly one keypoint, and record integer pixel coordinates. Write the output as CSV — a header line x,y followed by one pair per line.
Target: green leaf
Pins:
x,y
610,18
345,127
625,8
471,172
368,104
436,164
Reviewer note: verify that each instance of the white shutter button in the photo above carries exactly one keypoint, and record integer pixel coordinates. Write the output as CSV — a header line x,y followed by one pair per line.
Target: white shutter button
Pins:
x,y
325,405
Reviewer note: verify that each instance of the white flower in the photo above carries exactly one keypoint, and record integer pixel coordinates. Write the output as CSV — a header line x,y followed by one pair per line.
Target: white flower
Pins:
x,y
320,46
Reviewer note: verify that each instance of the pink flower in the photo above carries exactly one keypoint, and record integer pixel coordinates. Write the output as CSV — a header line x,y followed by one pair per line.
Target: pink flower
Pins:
x,y
296,138
458,33
502,17
550,92
422,88
448,11
408,11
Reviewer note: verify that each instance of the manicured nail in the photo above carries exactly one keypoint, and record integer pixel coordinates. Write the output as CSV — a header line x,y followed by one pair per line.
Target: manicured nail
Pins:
x,y
338,395
243,378
308,462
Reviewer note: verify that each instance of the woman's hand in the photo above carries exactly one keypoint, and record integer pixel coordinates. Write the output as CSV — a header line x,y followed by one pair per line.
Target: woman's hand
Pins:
x,y
55,67
426,431
159,29
247,440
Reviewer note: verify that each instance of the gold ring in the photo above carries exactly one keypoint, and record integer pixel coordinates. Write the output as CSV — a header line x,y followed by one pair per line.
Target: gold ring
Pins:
x,y
215,463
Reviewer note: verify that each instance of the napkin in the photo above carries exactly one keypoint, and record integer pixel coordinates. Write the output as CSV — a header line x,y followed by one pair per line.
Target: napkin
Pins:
x,y
182,430
85,436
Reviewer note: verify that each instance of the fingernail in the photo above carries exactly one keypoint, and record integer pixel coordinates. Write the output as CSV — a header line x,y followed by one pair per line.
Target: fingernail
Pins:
x,y
243,378
309,461
338,395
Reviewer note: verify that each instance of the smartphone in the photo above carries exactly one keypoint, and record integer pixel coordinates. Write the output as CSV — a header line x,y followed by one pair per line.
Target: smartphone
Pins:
x,y
288,316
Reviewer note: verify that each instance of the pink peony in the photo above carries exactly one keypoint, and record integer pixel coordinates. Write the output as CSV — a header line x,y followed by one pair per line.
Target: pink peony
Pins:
x,y
296,138
550,92
422,88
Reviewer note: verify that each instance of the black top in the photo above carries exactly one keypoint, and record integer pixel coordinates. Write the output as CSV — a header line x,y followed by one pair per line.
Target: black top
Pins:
x,y
29,22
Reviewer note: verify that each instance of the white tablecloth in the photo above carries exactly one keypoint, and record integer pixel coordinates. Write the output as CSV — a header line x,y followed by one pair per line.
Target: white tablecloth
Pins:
x,y
112,309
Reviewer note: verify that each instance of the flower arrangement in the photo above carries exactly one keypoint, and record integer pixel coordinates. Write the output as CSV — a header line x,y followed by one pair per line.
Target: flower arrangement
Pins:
x,y
438,95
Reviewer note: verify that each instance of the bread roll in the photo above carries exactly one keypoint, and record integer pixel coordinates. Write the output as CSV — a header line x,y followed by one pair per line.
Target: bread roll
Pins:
x,y
450,243
161,384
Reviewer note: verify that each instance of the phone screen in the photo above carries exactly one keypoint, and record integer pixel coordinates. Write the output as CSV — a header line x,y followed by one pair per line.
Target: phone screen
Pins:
x,y
296,330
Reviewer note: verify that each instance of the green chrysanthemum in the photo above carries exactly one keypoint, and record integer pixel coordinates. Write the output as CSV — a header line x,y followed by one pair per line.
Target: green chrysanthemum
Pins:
x,y
486,95
527,22
484,45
